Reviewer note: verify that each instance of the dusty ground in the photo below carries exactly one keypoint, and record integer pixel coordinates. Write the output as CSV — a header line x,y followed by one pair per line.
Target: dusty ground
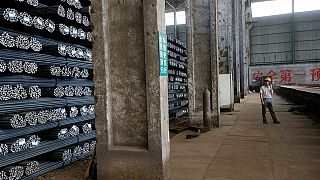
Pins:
x,y
75,171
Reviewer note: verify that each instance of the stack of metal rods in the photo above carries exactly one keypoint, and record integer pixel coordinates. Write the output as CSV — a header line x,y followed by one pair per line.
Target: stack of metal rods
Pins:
x,y
62,13
27,81
40,59
12,67
78,101
43,27
63,132
45,167
11,133
22,143
14,172
13,106
18,171
30,167
71,51
19,41
74,3
44,147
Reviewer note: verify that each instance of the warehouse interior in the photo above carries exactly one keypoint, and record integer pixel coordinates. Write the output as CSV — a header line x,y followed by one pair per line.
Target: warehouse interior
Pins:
x,y
159,89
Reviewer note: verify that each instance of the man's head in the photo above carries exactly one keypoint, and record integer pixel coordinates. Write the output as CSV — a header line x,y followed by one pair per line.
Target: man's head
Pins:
x,y
267,81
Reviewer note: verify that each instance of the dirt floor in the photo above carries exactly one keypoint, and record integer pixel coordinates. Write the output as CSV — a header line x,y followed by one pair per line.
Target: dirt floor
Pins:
x,y
74,171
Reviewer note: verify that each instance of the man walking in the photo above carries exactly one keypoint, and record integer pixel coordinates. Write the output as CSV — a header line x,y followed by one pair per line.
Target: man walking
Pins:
x,y
266,92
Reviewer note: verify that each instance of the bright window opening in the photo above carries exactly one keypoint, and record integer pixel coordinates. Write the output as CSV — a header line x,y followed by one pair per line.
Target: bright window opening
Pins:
x,y
181,17
306,5
276,7
269,8
169,19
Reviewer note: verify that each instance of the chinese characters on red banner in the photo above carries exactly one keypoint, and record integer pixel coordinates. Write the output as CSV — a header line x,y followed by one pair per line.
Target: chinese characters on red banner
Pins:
x,y
286,75
315,73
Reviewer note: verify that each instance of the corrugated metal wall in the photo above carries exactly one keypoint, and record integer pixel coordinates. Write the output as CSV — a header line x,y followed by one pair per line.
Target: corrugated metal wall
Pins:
x,y
271,39
181,32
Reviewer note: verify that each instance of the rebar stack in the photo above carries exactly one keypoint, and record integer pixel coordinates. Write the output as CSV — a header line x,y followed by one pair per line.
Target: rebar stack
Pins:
x,y
46,87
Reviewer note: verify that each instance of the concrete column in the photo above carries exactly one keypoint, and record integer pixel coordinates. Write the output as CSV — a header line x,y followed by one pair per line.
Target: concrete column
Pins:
x,y
225,44
203,67
248,25
236,50
131,99
243,64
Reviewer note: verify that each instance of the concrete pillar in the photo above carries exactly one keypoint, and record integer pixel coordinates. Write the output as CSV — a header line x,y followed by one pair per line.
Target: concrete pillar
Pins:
x,y
131,99
225,44
242,36
248,25
236,50
203,67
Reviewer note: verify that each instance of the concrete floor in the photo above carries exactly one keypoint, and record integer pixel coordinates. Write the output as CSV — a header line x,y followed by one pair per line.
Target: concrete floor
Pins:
x,y
244,148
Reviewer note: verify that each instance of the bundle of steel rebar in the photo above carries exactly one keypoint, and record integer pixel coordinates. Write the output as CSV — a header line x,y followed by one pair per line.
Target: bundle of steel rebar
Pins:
x,y
63,133
60,13
67,156
20,42
33,118
87,128
70,91
30,2
8,92
73,32
12,15
73,112
15,172
4,149
74,131
3,175
23,143
30,167
68,51
13,106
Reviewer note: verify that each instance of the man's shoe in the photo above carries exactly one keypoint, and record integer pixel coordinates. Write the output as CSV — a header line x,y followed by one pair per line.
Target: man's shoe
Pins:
x,y
265,122
277,122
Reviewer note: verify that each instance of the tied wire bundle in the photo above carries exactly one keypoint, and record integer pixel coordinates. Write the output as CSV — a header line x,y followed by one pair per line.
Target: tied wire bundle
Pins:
x,y
12,15
20,42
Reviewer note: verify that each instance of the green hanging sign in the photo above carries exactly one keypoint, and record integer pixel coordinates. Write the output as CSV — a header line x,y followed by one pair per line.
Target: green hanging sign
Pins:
x,y
163,51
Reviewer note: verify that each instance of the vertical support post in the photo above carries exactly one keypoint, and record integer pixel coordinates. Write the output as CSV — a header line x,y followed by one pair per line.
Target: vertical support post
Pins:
x,y
131,97
202,57
175,24
293,34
